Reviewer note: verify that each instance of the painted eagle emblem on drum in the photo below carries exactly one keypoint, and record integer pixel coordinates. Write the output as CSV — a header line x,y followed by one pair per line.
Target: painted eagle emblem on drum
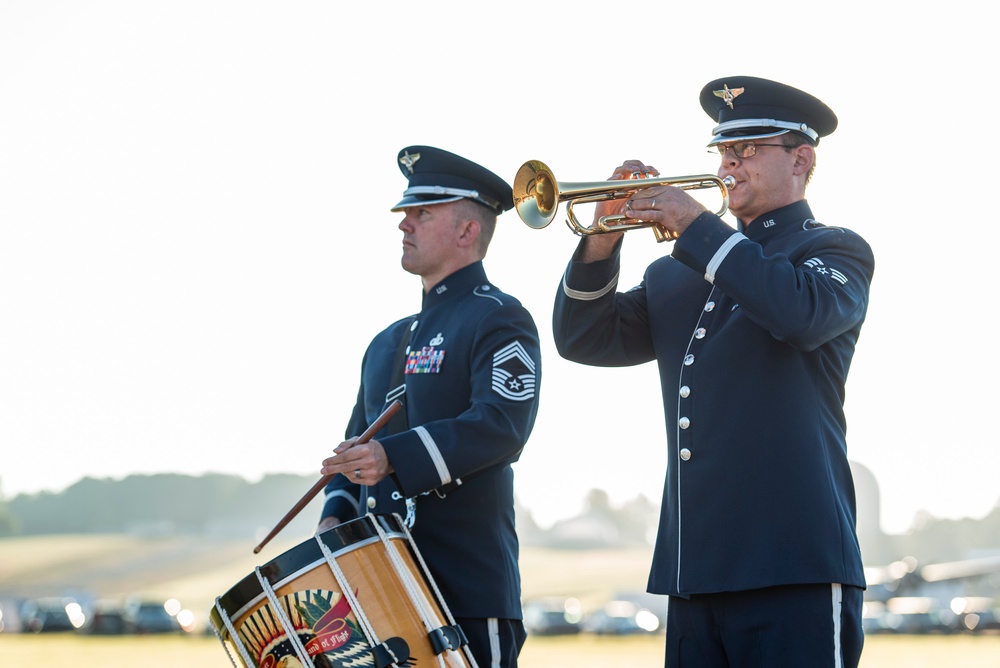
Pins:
x,y
323,625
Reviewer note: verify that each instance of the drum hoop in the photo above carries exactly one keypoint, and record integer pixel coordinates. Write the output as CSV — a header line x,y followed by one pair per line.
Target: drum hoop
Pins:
x,y
300,572
247,593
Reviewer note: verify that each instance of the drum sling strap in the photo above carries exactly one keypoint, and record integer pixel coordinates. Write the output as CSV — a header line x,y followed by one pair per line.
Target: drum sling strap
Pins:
x,y
450,637
399,423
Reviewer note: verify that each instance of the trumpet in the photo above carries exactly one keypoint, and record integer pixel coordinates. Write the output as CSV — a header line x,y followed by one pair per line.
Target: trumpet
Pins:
x,y
537,195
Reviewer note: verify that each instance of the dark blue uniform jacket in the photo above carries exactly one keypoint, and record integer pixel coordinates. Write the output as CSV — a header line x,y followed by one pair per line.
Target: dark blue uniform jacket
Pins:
x,y
753,333
471,397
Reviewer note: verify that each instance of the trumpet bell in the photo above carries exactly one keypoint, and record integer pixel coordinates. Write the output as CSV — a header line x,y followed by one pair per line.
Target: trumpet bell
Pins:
x,y
536,194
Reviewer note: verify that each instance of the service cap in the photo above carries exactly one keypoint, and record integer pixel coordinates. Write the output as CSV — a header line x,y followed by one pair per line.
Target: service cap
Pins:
x,y
437,176
753,108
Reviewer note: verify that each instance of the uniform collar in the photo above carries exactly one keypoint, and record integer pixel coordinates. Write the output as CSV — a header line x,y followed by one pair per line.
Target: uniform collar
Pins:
x,y
460,282
772,221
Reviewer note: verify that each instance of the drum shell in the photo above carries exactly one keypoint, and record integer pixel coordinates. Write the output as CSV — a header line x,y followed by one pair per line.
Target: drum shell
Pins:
x,y
302,574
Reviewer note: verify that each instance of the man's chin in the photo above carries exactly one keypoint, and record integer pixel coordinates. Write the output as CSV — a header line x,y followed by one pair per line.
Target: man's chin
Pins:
x,y
408,267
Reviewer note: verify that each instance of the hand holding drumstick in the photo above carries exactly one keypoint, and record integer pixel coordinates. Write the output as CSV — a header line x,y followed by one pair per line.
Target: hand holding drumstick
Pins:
x,y
378,424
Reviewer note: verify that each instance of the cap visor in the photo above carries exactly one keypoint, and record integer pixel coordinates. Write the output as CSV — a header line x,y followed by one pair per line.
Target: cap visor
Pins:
x,y
722,138
414,200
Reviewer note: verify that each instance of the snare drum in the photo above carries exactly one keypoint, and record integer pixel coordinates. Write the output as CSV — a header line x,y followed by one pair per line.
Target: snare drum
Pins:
x,y
356,595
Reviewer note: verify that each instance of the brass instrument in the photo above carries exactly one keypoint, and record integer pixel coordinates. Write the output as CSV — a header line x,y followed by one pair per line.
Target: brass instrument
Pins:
x,y
537,195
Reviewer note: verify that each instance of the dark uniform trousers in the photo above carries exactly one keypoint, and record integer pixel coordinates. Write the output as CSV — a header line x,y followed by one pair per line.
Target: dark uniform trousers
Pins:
x,y
792,626
495,643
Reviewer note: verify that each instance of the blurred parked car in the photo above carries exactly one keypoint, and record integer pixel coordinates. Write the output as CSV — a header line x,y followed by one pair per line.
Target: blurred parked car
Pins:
x,y
106,618
44,615
621,618
873,617
150,617
975,613
552,615
913,614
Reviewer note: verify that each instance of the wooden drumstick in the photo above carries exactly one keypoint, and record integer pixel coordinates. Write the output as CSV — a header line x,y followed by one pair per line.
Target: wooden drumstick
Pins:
x,y
379,422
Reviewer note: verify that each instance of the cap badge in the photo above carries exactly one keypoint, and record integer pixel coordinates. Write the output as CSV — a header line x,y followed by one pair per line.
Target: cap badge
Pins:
x,y
408,160
728,95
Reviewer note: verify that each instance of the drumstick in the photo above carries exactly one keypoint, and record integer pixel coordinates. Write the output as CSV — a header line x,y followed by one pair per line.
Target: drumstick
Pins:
x,y
379,422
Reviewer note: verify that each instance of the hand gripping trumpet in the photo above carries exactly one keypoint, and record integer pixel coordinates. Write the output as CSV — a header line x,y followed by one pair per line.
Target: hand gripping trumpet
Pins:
x,y
537,195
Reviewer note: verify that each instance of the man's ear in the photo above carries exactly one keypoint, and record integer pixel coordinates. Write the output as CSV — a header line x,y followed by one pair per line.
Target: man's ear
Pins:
x,y
469,232
805,157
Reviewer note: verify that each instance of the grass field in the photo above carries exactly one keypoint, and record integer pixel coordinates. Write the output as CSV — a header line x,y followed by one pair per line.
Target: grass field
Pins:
x,y
575,652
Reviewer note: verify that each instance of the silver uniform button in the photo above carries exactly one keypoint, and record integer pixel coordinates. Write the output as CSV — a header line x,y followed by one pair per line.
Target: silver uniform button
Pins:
x,y
685,392
709,307
688,360
371,501
699,333
685,454
684,423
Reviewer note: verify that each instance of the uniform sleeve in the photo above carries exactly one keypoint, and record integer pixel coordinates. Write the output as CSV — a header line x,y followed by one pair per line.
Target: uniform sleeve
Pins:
x,y
341,496
595,324
505,376
805,300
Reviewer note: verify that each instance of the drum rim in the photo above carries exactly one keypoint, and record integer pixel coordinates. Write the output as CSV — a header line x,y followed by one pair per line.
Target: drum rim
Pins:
x,y
341,539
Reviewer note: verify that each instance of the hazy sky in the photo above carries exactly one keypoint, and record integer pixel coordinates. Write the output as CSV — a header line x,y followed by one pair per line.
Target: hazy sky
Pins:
x,y
196,244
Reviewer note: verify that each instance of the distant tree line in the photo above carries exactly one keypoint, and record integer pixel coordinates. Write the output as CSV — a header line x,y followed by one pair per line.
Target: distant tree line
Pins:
x,y
197,504
935,540
181,502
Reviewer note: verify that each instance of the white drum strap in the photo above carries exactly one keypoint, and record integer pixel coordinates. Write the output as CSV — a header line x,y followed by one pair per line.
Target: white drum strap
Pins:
x,y
412,589
345,588
437,592
233,636
423,566
293,636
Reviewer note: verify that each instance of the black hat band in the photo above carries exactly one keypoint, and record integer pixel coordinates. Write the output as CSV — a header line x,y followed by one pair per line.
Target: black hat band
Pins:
x,y
743,123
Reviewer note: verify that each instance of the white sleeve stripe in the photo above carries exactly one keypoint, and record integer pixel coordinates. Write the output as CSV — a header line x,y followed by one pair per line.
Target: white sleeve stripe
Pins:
x,y
344,495
720,255
435,455
590,296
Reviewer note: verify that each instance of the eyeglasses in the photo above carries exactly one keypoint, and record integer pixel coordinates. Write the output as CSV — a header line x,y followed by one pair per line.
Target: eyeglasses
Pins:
x,y
744,149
